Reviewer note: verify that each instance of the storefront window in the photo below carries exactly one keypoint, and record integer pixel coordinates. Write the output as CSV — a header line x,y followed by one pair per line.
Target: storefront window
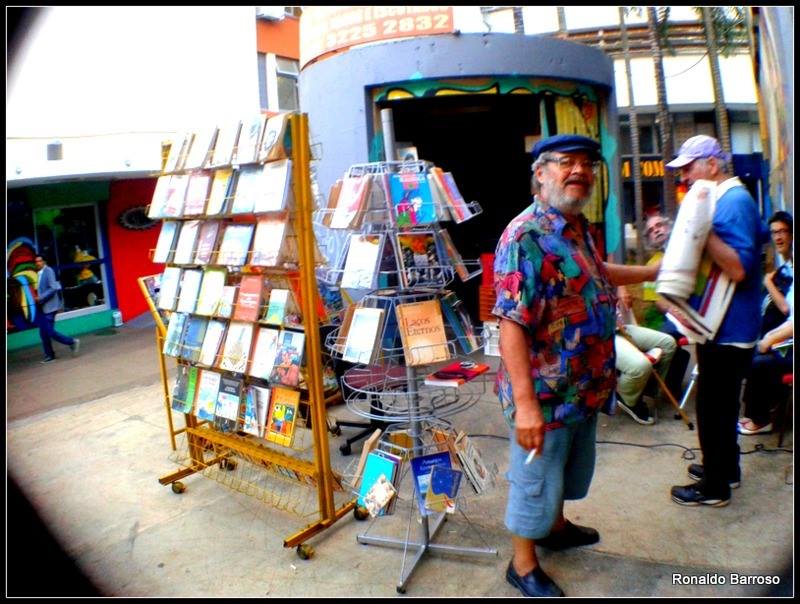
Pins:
x,y
69,239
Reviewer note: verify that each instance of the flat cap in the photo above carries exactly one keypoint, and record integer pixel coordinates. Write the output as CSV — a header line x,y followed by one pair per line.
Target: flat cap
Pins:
x,y
566,143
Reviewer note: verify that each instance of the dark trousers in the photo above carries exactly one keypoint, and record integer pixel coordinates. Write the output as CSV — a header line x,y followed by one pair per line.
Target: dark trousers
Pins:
x,y
47,332
721,371
764,387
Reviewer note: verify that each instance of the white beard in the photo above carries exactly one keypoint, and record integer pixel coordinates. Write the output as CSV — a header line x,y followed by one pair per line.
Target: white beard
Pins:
x,y
566,204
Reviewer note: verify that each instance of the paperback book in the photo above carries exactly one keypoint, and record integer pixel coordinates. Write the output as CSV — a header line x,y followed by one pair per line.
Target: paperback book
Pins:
x,y
220,192
187,242
460,323
420,265
363,333
275,189
273,143
256,409
207,242
411,199
193,337
248,301
456,374
190,286
448,251
202,149
159,201
376,466
248,185
236,351
184,389
197,193
268,240
170,282
215,333
224,307
361,267
174,335
210,291
207,391
226,143
175,196
443,489
288,358
350,202
422,332
421,468
276,309
229,398
264,352
282,416
235,244
250,138
165,246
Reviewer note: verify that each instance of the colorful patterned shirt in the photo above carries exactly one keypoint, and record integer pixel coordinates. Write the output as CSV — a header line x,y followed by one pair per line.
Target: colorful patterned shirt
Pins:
x,y
550,279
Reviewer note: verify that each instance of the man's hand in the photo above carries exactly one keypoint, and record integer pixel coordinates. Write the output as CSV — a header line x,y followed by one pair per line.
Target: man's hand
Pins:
x,y
763,346
529,423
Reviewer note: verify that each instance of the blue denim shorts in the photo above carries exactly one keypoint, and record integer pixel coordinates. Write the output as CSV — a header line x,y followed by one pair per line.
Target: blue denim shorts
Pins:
x,y
563,470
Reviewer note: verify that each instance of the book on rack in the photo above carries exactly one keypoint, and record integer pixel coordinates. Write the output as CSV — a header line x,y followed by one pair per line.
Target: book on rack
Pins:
x,y
276,308
446,441
193,337
458,207
178,150
379,496
439,199
206,241
185,388
247,190
460,323
480,475
235,244
187,242
448,251
207,391
361,267
411,199
376,466
190,286
197,193
419,262
422,332
256,409
268,240
344,328
159,201
442,489
264,352
276,189
288,358
250,138
363,333
174,335
170,282
227,138
370,444
236,351
248,300
421,467
229,398
176,195
165,246
224,307
219,195
456,374
215,333
210,291
273,142
282,416
202,149
333,198
350,202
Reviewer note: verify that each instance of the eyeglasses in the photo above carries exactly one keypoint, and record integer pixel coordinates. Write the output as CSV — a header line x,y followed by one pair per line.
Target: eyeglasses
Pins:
x,y
779,232
567,163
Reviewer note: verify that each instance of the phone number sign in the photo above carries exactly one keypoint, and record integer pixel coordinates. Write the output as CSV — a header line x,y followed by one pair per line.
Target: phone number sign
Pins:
x,y
324,29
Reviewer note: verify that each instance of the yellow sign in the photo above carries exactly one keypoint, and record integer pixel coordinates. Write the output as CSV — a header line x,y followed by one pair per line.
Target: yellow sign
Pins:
x,y
650,168
327,28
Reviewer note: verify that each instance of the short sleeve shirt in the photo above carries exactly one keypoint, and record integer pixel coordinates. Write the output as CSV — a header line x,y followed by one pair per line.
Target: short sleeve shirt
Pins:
x,y
550,279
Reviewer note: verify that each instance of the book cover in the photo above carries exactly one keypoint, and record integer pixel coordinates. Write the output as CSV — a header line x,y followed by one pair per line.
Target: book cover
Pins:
x,y
376,466
190,286
210,291
215,332
442,489
268,240
411,199
170,281
379,496
236,351
193,338
248,186
229,398
256,408
250,138
177,151
276,309
197,193
457,212
420,264
288,358
282,416
227,138
224,307
460,323
184,389
248,300
219,195
207,391
159,201
174,335
202,149
422,332
476,470
165,246
455,374
449,253
175,196
421,467
333,198
235,244
457,202
350,202
439,199
274,140
206,241
264,352
275,190
187,242
362,336
361,267
370,443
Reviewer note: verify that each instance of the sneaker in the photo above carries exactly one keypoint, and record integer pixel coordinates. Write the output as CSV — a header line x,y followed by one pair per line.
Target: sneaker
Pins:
x,y
654,355
48,360
756,429
75,346
692,495
697,472
639,412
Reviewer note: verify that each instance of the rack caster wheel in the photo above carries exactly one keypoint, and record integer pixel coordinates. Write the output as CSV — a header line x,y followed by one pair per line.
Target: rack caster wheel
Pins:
x,y
345,449
178,487
360,513
304,551
336,430
401,590
227,464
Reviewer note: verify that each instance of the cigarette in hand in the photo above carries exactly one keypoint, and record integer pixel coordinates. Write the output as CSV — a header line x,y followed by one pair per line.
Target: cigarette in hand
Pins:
x,y
530,457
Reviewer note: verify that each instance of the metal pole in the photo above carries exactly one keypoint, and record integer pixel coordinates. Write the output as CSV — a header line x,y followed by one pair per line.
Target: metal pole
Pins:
x,y
387,124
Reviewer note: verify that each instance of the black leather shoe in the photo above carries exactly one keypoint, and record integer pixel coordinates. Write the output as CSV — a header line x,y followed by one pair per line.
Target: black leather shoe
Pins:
x,y
572,535
536,584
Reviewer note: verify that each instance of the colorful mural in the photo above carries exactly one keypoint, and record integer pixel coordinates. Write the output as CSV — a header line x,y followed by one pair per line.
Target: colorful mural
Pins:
x,y
21,280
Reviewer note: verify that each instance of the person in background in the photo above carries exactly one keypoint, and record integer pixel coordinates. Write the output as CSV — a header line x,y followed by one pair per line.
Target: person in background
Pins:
x,y
557,308
775,307
49,302
733,243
